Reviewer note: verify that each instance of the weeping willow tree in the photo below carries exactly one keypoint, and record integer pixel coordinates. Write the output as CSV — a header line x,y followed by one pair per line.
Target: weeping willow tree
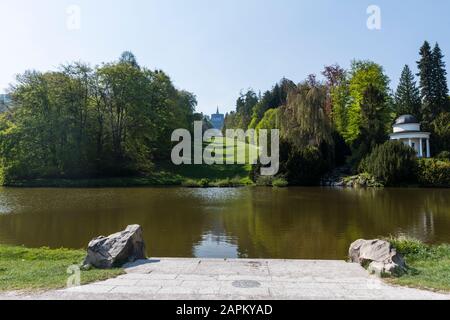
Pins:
x,y
304,120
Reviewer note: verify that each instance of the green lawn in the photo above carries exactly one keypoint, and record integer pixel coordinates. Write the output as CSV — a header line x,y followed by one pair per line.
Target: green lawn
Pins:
x,y
428,266
43,269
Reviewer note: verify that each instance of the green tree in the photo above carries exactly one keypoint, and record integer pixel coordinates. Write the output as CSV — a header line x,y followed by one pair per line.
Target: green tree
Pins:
x,y
271,120
130,58
303,120
440,138
441,103
335,78
271,99
407,97
115,119
427,83
244,108
374,120
362,75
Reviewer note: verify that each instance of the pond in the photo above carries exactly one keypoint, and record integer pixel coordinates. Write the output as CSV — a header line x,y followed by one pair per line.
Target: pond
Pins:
x,y
298,223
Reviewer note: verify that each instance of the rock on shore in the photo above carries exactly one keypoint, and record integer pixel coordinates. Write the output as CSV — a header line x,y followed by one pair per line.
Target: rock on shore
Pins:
x,y
378,256
116,249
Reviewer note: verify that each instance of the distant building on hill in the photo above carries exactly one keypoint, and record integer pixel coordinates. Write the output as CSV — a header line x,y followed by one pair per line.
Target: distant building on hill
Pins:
x,y
218,120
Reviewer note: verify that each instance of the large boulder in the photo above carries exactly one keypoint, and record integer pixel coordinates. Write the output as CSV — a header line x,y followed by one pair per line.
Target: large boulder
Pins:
x,y
378,256
117,249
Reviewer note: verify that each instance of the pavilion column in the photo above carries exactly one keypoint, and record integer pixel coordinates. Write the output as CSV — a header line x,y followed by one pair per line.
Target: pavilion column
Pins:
x,y
428,149
421,148
410,142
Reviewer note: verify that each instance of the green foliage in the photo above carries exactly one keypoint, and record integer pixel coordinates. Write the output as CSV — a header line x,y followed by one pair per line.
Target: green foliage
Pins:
x,y
444,155
440,81
340,96
270,120
270,181
426,84
244,109
362,180
440,137
264,181
365,74
434,172
303,166
280,183
410,246
433,83
374,117
78,122
428,266
304,121
391,163
37,269
271,99
407,97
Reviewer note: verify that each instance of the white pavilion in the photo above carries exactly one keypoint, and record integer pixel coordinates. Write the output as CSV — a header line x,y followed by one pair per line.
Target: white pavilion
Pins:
x,y
407,130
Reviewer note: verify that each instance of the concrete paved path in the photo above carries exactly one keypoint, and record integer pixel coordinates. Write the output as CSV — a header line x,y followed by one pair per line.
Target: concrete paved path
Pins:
x,y
194,279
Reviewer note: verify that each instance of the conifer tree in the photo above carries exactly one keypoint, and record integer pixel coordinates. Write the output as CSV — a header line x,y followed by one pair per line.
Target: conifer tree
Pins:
x,y
440,82
426,84
407,97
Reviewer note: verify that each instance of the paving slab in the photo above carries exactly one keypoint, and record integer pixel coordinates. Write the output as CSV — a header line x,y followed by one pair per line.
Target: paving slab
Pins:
x,y
238,279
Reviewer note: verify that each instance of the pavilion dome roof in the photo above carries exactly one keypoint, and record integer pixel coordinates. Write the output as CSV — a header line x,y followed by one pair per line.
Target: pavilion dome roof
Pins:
x,y
406,119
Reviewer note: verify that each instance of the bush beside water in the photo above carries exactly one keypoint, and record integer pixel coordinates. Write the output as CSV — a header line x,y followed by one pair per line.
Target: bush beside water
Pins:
x,y
434,173
391,163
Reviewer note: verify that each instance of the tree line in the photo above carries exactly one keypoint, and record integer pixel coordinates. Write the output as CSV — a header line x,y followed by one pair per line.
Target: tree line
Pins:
x,y
340,119
82,121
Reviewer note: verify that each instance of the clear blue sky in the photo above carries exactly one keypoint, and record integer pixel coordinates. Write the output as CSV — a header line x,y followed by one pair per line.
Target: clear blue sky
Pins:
x,y
215,48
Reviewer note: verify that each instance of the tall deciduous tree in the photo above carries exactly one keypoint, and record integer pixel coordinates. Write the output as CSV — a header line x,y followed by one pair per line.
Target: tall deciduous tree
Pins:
x,y
407,97
364,74
304,120
374,117
81,122
335,77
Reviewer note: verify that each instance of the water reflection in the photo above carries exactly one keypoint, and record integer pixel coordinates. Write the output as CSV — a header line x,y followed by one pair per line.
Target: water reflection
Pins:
x,y
216,246
225,223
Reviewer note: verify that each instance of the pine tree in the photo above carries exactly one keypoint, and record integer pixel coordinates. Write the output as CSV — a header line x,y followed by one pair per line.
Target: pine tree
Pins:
x,y
426,84
440,82
407,97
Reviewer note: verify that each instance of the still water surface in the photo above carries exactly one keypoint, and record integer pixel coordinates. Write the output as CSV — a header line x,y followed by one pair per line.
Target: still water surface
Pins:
x,y
303,223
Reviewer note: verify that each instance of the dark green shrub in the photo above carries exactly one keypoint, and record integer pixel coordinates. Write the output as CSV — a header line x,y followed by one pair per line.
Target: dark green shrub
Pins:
x,y
264,181
280,183
305,166
444,155
434,172
391,163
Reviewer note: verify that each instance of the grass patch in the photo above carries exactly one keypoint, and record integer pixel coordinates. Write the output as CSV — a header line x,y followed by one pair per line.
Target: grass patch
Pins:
x,y
269,181
428,266
43,269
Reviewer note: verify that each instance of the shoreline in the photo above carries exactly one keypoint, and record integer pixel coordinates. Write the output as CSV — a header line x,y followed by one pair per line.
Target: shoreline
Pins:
x,y
177,182
221,279
427,269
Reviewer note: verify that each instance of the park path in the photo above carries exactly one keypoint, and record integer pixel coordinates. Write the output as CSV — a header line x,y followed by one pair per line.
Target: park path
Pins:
x,y
197,279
